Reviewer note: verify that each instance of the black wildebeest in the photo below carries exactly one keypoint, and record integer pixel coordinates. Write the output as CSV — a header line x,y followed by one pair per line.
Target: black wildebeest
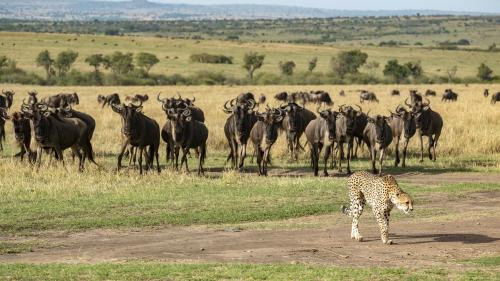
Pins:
x,y
395,92
367,96
237,129
61,100
22,132
140,132
378,136
449,95
430,93
264,134
295,122
109,99
188,133
486,93
321,132
58,134
428,123
7,98
495,97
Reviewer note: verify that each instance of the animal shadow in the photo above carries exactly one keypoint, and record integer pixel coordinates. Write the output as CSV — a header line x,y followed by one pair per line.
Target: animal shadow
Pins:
x,y
465,238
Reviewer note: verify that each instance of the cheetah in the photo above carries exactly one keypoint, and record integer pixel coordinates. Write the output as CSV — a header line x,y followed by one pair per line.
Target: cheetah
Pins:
x,y
381,193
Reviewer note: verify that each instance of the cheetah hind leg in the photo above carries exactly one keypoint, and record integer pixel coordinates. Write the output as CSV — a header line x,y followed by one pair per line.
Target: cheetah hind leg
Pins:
x,y
355,212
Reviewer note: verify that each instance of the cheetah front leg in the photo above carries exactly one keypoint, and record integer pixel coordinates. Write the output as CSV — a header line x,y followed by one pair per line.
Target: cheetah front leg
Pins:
x,y
383,223
355,211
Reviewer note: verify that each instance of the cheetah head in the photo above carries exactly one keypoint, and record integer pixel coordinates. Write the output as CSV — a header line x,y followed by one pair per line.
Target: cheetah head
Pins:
x,y
403,202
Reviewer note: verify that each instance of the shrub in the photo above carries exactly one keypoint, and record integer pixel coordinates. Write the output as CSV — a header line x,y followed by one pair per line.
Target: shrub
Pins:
x,y
208,58
348,62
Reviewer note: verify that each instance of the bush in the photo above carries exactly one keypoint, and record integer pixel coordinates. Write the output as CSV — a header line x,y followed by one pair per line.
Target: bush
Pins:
x,y
348,62
208,58
484,73
396,71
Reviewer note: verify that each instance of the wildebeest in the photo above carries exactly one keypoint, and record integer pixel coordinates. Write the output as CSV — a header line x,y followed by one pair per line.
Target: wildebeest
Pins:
x,y
188,133
295,122
367,96
355,123
395,92
3,116
396,122
7,98
409,128
22,132
428,123
430,93
320,98
486,93
415,97
342,93
58,134
316,97
264,134
321,132
495,97
109,99
61,100
32,97
449,95
140,132
378,136
237,129
137,98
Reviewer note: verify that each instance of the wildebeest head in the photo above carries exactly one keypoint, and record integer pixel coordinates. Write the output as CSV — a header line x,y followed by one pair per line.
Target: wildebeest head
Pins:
x,y
180,119
381,126
9,96
272,119
72,99
32,99
19,121
486,93
129,114
41,123
415,97
242,115
292,111
331,120
408,121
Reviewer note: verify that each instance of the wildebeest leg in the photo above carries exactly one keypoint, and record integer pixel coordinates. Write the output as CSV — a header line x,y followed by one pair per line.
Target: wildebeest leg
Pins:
x,y
60,156
185,152
349,155
260,157
405,148
341,152
421,148
120,156
243,153
203,153
431,145
381,160
141,152
39,157
266,160
396,162
328,151
175,163
315,158
373,157
157,155
76,152
436,138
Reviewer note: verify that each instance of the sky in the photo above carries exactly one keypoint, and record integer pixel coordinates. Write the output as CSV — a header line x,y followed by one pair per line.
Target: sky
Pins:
x,y
490,6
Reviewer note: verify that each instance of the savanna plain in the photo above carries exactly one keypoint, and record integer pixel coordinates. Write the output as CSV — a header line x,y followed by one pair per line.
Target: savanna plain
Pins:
x,y
103,224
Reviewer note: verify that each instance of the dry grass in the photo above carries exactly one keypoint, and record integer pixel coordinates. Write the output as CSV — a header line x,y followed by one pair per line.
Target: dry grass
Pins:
x,y
471,126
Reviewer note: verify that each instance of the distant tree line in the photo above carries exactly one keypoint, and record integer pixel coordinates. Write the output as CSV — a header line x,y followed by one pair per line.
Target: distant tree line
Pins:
x,y
136,69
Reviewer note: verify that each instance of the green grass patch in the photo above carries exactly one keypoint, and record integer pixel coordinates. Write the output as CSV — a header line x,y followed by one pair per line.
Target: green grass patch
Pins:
x,y
487,261
153,271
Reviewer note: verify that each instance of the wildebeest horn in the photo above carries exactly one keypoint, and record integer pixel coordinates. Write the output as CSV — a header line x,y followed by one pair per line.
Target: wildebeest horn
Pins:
x,y
427,103
341,107
193,100
160,100
360,109
226,108
407,104
186,112
251,104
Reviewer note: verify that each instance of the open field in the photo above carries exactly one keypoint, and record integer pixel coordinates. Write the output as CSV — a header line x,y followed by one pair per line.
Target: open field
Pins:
x,y
24,47
103,225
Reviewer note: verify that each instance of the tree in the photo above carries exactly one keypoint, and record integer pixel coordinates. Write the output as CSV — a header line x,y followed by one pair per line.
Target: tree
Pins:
x,y
313,62
348,62
64,61
287,67
451,73
415,68
484,72
397,71
146,61
44,60
4,61
95,60
119,63
252,61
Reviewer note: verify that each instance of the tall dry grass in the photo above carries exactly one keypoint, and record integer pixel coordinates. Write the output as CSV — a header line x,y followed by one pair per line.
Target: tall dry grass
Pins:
x,y
471,125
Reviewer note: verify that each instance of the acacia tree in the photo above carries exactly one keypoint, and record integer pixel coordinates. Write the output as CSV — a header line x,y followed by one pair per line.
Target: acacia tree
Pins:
x,y
397,71
119,63
287,67
348,62
64,61
251,62
44,60
146,61
95,60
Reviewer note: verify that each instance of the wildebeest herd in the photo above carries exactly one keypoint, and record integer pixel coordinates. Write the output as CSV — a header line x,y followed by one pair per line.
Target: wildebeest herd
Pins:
x,y
55,126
